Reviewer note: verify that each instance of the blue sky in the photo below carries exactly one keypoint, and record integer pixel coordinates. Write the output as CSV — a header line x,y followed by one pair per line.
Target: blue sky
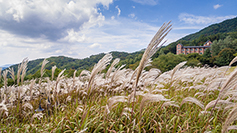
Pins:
x,y
80,28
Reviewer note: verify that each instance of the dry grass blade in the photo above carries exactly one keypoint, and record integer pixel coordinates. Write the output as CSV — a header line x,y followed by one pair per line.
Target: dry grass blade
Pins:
x,y
230,118
192,100
151,98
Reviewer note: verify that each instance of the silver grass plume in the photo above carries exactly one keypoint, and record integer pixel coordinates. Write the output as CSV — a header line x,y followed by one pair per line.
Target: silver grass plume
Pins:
x,y
224,87
31,89
116,73
3,107
98,68
233,61
4,75
115,62
24,69
212,103
192,100
12,74
53,70
151,98
84,72
60,76
20,68
177,67
230,82
74,78
230,118
115,99
234,127
0,73
149,52
152,48
42,71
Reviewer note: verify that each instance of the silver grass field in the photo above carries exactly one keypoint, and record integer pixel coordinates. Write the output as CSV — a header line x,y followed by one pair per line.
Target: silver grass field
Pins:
x,y
185,99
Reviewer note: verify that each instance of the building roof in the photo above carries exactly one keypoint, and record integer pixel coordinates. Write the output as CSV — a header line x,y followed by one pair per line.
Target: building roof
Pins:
x,y
206,42
196,46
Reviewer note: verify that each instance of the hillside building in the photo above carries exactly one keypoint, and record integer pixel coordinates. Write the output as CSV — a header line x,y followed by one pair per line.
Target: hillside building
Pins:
x,y
180,49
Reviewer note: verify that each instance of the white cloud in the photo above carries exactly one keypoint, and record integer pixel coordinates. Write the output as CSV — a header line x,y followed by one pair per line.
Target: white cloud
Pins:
x,y
119,11
49,18
217,6
192,19
133,7
112,17
95,45
147,2
132,15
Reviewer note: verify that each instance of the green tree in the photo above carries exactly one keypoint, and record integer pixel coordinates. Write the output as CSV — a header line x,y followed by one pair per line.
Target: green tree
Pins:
x,y
224,57
167,62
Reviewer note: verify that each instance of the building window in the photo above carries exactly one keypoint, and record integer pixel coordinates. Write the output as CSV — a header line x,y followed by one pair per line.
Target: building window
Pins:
x,y
191,49
182,49
200,52
196,49
200,48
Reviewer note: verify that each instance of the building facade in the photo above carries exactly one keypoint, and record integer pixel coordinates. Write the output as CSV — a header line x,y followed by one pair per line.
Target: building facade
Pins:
x,y
180,49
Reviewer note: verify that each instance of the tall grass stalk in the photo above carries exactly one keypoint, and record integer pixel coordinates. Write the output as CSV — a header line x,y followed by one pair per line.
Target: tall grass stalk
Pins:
x,y
151,49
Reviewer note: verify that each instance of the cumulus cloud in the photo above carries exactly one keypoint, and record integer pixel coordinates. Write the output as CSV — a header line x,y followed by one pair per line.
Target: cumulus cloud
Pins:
x,y
147,2
217,6
193,19
49,18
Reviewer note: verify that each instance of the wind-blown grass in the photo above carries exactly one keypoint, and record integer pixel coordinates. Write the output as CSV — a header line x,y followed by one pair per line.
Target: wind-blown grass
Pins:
x,y
188,99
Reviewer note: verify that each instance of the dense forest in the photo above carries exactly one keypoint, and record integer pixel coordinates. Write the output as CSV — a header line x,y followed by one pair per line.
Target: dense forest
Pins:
x,y
222,51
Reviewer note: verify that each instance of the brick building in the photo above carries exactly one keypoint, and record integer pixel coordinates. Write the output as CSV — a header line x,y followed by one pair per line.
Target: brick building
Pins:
x,y
180,49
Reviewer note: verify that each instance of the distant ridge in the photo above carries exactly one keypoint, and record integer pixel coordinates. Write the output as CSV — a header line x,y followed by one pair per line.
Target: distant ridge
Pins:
x,y
68,63
229,25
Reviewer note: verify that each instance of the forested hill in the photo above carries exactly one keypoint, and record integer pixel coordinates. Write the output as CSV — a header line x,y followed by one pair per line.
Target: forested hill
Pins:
x,y
68,63
226,26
